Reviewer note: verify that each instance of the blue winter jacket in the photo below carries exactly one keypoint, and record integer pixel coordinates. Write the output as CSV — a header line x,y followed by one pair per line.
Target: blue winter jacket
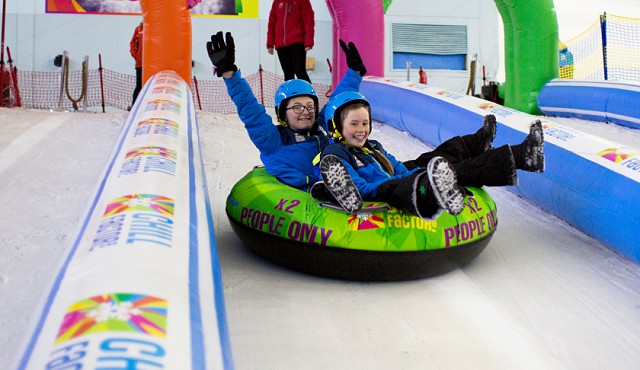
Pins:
x,y
285,153
365,171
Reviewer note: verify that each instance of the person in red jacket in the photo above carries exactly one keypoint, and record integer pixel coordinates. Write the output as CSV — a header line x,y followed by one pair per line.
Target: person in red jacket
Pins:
x,y
290,32
135,48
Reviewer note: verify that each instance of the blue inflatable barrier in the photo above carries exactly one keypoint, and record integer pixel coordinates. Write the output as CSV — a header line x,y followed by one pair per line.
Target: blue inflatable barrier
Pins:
x,y
608,101
591,183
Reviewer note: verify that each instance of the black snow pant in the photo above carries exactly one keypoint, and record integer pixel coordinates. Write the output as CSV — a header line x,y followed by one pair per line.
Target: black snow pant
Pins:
x,y
293,60
138,87
403,194
495,167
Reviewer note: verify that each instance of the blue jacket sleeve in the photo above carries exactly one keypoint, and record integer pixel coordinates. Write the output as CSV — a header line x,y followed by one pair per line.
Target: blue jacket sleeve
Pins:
x,y
350,82
262,132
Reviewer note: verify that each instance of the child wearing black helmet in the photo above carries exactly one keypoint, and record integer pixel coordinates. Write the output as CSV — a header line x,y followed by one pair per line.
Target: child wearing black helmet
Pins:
x,y
428,184
286,149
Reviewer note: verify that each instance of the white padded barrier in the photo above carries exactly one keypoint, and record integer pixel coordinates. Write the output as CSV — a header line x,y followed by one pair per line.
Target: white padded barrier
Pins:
x,y
591,183
141,285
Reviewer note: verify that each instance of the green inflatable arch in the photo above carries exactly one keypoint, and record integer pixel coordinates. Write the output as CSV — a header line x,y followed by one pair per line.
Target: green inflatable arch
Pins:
x,y
531,44
530,50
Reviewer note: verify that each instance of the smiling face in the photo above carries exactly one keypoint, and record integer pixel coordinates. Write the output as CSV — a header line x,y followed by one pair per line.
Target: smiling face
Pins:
x,y
356,125
303,120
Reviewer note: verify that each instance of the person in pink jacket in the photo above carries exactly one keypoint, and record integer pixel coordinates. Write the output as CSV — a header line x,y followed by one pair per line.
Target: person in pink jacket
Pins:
x,y
290,33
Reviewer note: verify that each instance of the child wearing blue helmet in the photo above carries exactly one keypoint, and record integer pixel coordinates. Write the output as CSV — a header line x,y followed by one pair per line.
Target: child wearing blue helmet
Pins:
x,y
286,149
430,183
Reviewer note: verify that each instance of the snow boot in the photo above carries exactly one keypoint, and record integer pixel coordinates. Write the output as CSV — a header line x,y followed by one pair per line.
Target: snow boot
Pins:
x,y
443,180
487,132
529,155
337,180
321,193
459,148
482,140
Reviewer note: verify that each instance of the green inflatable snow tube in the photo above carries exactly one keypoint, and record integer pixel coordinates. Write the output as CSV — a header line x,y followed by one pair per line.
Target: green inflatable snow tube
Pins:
x,y
288,227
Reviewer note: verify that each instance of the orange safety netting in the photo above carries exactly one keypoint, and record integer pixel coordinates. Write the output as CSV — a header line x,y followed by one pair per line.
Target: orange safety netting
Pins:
x,y
41,90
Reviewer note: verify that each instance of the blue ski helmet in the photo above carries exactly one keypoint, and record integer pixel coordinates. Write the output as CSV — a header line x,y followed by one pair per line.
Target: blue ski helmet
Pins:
x,y
335,107
290,89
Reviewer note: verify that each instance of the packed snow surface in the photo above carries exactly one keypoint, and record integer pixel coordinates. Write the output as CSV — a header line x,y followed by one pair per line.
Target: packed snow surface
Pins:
x,y
541,296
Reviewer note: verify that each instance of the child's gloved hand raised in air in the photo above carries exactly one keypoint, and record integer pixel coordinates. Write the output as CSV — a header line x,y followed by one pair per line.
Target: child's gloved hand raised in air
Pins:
x,y
354,60
192,3
223,56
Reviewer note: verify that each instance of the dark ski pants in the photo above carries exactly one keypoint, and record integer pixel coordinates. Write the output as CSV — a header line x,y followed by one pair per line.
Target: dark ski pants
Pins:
x,y
138,87
495,167
293,60
404,193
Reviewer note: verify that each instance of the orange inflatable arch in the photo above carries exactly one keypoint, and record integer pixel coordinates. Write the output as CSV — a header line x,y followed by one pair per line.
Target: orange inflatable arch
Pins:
x,y
167,38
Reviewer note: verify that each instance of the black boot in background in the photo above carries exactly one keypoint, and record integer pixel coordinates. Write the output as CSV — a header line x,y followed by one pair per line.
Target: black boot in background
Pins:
x,y
529,155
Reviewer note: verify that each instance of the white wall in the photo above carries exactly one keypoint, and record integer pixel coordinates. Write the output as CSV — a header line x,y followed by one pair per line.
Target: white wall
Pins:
x,y
35,38
482,20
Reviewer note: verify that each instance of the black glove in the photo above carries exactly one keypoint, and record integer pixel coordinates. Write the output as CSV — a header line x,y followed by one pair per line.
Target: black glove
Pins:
x,y
354,61
222,56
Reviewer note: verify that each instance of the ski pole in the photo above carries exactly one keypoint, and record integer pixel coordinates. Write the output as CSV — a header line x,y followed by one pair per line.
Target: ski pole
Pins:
x,y
101,80
14,77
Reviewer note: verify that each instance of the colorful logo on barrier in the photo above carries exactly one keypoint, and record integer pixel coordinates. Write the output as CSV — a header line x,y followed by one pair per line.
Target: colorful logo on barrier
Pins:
x,y
382,79
152,151
136,219
450,95
160,105
168,79
140,203
559,132
159,121
155,159
615,155
418,86
486,106
170,90
158,126
496,109
117,312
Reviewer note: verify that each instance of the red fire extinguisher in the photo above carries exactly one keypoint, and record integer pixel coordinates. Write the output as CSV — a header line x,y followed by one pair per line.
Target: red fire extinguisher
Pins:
x,y
422,76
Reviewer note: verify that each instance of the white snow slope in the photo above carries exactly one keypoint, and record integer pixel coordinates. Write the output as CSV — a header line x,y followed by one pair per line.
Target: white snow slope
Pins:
x,y
541,296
